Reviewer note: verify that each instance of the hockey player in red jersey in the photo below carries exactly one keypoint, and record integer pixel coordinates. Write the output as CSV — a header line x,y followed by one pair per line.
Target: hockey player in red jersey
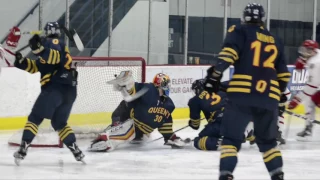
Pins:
x,y
7,55
310,96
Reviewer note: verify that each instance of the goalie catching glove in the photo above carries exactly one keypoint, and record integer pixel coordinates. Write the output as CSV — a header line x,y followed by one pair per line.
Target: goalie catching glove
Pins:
x,y
125,84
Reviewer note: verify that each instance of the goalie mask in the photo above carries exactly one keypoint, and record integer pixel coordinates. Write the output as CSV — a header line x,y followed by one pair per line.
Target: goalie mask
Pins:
x,y
162,81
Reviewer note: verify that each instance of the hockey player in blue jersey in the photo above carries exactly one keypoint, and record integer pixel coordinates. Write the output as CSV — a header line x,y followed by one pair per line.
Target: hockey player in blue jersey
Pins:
x,y
58,91
212,106
254,91
150,108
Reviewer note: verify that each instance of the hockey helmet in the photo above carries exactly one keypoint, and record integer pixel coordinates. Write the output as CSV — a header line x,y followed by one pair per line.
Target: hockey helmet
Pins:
x,y
162,81
308,48
52,29
253,13
198,86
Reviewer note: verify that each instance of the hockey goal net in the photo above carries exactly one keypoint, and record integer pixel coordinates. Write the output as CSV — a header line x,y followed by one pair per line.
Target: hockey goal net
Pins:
x,y
95,102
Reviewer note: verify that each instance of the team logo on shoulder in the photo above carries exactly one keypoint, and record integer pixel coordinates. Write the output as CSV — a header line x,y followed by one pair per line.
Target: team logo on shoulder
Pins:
x,y
231,28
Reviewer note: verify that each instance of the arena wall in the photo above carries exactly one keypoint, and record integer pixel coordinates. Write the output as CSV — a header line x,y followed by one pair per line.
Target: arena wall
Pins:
x,y
96,100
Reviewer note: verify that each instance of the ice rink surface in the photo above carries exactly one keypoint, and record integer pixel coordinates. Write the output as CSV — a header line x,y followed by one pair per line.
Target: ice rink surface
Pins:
x,y
156,161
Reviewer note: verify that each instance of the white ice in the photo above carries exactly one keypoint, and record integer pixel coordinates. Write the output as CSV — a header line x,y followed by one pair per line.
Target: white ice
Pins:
x,y
156,161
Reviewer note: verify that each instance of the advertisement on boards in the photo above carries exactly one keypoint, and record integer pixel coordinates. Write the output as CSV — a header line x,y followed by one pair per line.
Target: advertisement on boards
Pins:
x,y
182,78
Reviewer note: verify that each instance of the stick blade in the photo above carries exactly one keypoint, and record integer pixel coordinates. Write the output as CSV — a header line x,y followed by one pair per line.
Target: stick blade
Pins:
x,y
77,41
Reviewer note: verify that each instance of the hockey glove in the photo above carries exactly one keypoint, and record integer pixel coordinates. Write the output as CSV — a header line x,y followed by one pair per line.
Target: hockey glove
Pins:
x,y
282,107
18,59
294,103
194,124
175,142
300,63
212,80
36,44
316,98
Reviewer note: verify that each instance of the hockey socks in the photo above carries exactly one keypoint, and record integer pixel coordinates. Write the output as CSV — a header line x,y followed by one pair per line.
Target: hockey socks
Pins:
x,y
29,132
273,161
67,136
206,143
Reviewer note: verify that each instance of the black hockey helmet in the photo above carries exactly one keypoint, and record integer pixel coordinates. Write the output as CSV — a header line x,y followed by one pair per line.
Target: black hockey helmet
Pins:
x,y
197,86
253,13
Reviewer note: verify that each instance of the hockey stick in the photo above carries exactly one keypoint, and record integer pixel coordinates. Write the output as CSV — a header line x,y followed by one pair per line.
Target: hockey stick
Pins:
x,y
174,132
286,135
302,117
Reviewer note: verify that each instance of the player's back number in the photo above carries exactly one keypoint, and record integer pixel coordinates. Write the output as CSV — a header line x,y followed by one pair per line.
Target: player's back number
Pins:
x,y
256,46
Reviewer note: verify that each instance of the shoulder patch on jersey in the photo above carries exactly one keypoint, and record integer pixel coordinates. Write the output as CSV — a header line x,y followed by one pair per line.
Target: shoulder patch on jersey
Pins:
x,y
55,41
231,28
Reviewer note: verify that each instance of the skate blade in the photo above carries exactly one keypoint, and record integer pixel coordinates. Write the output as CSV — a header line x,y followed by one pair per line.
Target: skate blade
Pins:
x,y
304,139
83,162
17,161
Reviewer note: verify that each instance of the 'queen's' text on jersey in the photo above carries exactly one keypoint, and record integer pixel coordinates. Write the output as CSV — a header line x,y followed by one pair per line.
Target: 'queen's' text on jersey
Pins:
x,y
260,73
152,111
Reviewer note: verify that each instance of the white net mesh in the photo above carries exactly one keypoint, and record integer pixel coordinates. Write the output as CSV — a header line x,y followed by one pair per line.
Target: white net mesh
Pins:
x,y
96,99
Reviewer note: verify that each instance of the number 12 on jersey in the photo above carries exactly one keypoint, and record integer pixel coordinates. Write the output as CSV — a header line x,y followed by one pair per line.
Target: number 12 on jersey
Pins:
x,y
270,48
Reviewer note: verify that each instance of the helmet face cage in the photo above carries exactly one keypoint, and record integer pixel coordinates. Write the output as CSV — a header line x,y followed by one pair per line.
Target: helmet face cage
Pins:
x,y
308,47
52,29
253,13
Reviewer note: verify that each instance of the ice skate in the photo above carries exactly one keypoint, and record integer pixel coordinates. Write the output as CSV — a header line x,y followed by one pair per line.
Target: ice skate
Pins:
x,y
278,176
78,155
306,134
280,139
21,153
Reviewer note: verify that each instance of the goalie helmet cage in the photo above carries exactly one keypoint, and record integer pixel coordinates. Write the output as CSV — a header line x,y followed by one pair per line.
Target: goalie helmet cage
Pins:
x,y
95,101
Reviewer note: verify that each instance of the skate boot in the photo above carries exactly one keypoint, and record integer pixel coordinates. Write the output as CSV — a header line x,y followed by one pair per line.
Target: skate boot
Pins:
x,y
306,134
78,155
278,176
21,153
226,177
280,139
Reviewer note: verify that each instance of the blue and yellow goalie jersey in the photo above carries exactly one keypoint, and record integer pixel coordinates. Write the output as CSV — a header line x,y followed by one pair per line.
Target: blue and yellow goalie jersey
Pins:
x,y
210,104
260,70
53,63
152,111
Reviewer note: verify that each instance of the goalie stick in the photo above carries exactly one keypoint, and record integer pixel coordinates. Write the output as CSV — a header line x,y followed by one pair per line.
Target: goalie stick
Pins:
x,y
302,117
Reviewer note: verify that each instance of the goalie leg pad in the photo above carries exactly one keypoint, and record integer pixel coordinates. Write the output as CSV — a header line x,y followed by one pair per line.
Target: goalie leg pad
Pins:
x,y
114,136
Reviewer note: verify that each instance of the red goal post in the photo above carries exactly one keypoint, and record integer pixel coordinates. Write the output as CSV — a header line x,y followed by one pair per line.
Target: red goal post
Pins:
x,y
95,101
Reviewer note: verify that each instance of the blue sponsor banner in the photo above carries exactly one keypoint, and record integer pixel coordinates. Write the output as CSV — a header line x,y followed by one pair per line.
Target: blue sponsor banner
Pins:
x,y
296,82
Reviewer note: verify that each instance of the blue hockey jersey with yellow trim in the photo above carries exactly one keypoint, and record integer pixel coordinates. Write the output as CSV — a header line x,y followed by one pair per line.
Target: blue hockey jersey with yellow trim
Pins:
x,y
261,73
53,63
152,111
212,105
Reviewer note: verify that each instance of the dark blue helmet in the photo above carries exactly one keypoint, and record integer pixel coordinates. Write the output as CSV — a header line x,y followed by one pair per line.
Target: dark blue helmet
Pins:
x,y
253,13
52,29
197,86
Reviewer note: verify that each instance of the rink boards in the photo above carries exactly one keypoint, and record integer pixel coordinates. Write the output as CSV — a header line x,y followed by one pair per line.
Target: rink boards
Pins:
x,y
19,90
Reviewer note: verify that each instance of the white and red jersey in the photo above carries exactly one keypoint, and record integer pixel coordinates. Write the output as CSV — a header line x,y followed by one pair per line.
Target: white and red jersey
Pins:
x,y
313,80
7,57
